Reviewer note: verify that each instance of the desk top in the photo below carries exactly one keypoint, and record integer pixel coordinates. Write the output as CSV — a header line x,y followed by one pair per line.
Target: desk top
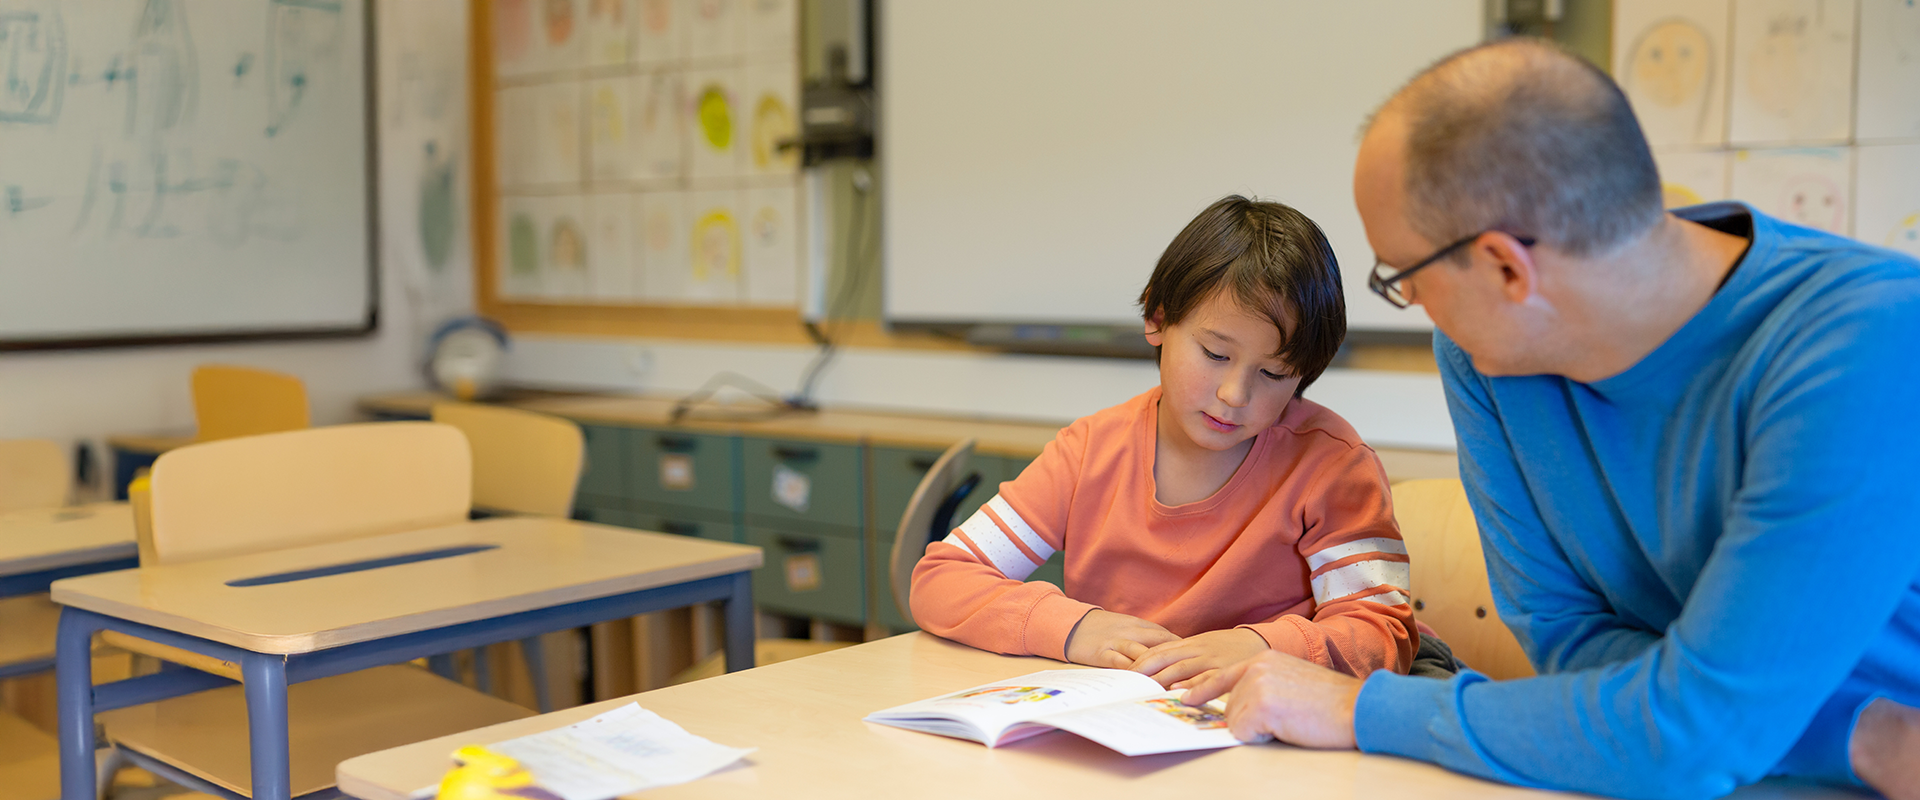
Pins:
x,y
805,716
996,437
50,538
536,563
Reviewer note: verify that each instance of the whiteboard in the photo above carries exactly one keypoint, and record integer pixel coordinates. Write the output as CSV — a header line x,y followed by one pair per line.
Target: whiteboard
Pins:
x,y
1037,157
183,169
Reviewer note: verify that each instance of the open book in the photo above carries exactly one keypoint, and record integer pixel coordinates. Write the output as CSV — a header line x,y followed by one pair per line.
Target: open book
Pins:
x,y
1125,711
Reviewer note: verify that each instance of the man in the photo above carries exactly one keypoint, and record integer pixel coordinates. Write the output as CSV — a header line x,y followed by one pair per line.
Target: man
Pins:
x,y
1689,440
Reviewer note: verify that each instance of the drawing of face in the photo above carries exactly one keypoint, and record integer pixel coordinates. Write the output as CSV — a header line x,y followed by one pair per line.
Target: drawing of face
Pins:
x,y
1906,237
1776,67
512,29
712,9
559,16
1670,64
716,246
569,248
772,122
659,230
656,15
612,12
716,120
1814,201
766,226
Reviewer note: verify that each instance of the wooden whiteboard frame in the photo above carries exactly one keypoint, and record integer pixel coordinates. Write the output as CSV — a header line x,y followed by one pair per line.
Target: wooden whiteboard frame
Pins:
x,y
370,323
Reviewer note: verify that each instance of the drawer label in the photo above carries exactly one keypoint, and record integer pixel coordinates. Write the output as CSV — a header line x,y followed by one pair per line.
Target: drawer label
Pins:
x,y
676,472
791,488
803,572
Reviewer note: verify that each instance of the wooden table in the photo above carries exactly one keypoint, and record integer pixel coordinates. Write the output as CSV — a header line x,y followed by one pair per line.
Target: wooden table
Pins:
x,y
42,545
805,716
294,615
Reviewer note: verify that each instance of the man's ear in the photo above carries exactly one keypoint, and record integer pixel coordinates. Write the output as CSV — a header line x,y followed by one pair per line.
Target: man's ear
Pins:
x,y
1156,328
1519,273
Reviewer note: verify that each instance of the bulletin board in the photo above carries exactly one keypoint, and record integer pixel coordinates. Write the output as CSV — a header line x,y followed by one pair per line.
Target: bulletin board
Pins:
x,y
628,168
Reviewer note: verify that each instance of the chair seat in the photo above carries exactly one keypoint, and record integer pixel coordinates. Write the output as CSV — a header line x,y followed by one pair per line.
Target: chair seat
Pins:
x,y
29,760
329,720
27,627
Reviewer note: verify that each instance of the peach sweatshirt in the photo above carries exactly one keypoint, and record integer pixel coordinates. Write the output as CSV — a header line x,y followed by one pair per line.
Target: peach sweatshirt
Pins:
x,y
1299,546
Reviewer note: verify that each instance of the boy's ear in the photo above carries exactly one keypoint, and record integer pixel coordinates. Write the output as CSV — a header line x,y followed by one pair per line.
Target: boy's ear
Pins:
x,y
1155,326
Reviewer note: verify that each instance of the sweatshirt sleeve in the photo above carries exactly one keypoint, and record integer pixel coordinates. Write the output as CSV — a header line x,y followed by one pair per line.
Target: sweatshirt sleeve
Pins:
x,y
1358,566
1815,556
971,586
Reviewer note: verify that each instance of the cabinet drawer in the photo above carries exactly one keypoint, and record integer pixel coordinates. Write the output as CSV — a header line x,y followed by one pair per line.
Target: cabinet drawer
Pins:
x,y
897,473
604,474
810,575
697,522
696,470
605,516
789,480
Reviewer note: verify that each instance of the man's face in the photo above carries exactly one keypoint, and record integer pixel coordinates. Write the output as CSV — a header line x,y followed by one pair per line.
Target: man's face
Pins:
x,y
1464,301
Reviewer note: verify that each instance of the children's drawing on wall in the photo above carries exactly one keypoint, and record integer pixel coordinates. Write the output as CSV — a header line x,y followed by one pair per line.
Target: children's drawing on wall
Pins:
x,y
773,247
609,32
1669,56
33,63
712,29
716,124
1887,196
303,53
1889,80
661,226
715,248
659,127
546,248
1793,71
512,35
556,18
771,26
161,72
656,36
554,147
773,93
1804,186
1692,177
609,150
612,273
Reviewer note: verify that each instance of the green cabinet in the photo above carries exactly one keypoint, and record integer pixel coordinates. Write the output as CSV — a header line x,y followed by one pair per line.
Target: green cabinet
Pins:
x,y
605,516
680,521
694,470
810,574
603,478
796,481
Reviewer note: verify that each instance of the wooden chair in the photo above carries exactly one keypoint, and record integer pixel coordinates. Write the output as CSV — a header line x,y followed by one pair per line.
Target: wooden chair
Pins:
x,y
523,463
285,490
1451,593
34,473
929,517
230,402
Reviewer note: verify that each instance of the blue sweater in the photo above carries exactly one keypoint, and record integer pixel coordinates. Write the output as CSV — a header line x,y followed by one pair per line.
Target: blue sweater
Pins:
x,y
1710,558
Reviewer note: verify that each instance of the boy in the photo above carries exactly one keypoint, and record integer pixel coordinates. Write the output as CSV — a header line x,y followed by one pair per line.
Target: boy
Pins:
x,y
1211,518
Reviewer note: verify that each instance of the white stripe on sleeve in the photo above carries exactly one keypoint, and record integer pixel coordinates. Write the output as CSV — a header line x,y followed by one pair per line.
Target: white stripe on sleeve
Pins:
x,y
1027,535
1000,551
1386,599
1359,577
1354,548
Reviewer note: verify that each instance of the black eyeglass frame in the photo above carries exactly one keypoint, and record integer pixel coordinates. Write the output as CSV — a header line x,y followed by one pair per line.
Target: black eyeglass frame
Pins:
x,y
1383,286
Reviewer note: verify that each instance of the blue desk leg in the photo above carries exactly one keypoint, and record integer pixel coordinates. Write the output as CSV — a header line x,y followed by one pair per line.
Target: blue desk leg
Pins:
x,y
740,623
73,678
265,677
535,655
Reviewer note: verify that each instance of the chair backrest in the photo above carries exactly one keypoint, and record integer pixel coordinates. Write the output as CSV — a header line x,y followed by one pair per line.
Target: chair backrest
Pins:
x,y
1450,589
296,488
33,474
927,518
523,462
140,497
229,402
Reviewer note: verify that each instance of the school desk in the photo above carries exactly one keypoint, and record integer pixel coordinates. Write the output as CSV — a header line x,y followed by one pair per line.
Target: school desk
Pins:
x,y
286,616
805,718
40,546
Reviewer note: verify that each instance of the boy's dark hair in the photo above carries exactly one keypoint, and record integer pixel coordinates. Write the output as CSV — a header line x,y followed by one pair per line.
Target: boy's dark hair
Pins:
x,y
1273,260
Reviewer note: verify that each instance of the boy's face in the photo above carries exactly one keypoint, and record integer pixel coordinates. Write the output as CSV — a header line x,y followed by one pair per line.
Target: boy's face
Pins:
x,y
1220,383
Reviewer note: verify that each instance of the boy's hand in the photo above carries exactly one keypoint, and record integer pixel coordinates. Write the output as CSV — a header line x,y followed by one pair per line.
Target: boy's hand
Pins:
x,y
1107,639
1277,696
1175,664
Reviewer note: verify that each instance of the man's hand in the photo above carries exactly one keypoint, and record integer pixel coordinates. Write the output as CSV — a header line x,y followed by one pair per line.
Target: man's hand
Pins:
x,y
1278,696
1177,663
1885,749
1107,639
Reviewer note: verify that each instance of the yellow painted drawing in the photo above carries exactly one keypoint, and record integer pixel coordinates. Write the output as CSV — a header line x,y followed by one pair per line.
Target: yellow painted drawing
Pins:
x,y
716,245
773,122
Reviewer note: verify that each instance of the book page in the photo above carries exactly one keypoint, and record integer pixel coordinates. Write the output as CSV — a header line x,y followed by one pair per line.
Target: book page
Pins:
x,y
622,751
1159,724
995,707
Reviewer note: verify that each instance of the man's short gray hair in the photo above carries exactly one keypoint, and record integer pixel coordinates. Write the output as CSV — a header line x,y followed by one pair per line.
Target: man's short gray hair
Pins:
x,y
1523,137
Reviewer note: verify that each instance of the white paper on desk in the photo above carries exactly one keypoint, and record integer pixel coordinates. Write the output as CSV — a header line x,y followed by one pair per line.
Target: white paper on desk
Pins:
x,y
622,751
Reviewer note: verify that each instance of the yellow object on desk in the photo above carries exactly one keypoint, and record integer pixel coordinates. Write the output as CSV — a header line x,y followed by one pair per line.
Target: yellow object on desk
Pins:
x,y
481,774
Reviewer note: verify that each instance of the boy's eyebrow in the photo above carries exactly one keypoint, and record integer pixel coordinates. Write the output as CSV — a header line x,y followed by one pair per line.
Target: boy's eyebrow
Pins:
x,y
1218,335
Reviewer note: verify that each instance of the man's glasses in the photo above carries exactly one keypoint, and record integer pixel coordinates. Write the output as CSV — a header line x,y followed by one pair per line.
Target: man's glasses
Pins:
x,y
1386,281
